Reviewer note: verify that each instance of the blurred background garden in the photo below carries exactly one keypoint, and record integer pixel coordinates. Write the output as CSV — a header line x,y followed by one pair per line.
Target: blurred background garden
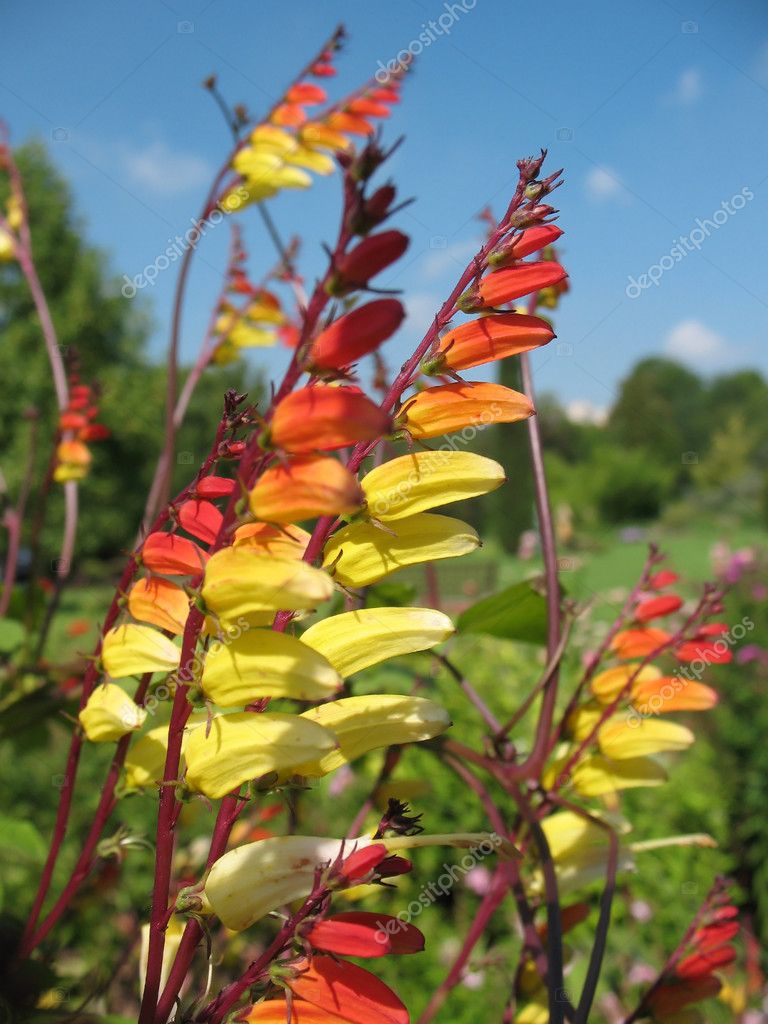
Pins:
x,y
653,410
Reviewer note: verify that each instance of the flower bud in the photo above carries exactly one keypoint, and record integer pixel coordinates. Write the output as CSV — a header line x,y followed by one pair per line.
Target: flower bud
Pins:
x,y
356,334
368,258
511,283
527,242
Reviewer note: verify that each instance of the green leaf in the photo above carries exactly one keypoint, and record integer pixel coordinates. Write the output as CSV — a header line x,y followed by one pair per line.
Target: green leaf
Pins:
x,y
20,839
11,635
517,613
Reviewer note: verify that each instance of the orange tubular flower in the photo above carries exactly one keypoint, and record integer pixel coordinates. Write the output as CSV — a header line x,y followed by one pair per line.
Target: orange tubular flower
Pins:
x,y
364,934
450,407
341,121
160,602
487,339
347,990
171,555
637,643
668,693
276,1012
356,334
504,286
703,649
201,518
367,259
280,541
74,453
323,418
306,92
308,486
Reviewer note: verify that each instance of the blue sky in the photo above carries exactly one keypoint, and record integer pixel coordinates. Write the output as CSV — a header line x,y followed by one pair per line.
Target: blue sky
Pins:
x,y
657,110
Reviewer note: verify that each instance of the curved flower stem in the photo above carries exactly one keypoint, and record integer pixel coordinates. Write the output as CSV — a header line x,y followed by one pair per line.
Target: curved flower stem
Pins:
x,y
105,807
89,681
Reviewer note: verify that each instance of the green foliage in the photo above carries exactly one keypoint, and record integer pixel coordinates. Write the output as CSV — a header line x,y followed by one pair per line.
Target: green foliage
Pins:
x,y
518,612
629,486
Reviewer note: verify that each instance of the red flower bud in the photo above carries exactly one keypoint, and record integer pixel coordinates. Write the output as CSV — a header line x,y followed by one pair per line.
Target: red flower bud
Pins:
x,y
662,579
365,934
323,70
201,518
511,283
361,862
215,487
356,334
711,653
72,421
385,95
699,965
529,241
368,108
306,92
369,258
657,607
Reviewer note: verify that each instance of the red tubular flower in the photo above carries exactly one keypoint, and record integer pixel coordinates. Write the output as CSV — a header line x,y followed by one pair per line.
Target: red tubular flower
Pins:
x,y
201,518
713,936
171,555
215,487
657,607
361,862
511,283
699,965
368,258
365,934
347,990
323,70
711,652
72,421
322,418
487,339
93,432
529,241
385,95
356,334
663,578
368,108
673,995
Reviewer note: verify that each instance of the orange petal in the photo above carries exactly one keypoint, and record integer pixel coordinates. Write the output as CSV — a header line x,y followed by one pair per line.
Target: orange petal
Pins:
x,y
672,693
349,123
486,339
303,488
281,541
201,518
171,555
450,407
637,643
160,602
345,989
324,418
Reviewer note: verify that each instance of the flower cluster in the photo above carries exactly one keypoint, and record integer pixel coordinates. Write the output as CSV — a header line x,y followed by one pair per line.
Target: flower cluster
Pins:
x,y
291,142
77,427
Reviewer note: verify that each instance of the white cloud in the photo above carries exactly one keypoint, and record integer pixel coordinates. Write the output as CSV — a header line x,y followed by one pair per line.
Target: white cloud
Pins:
x,y
581,410
694,342
603,183
165,171
687,90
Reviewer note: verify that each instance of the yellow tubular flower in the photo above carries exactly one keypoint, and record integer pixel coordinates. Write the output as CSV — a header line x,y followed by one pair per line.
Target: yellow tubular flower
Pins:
x,y
423,480
266,137
360,553
353,641
110,714
597,775
313,160
252,880
132,650
636,737
240,581
282,541
245,335
246,746
370,721
317,134
579,848
262,663
608,684
145,760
